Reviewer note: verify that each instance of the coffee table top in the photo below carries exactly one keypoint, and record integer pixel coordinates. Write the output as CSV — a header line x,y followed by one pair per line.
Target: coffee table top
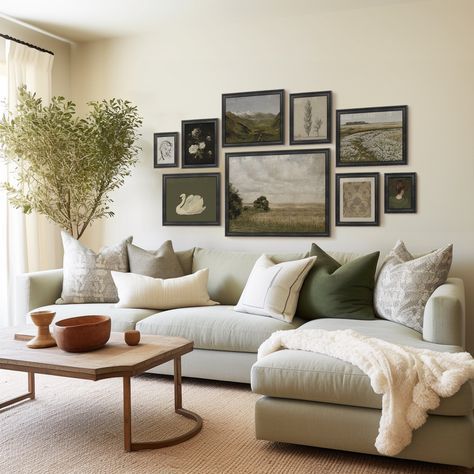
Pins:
x,y
116,359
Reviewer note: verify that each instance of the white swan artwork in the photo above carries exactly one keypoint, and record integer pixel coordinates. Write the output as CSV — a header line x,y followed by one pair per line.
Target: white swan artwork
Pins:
x,y
191,205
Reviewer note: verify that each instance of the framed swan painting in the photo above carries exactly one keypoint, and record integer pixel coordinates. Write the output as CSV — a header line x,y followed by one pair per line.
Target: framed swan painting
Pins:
x,y
191,199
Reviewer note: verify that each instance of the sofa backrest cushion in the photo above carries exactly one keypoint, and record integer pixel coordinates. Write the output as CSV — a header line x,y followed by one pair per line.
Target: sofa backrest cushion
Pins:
x,y
229,271
185,258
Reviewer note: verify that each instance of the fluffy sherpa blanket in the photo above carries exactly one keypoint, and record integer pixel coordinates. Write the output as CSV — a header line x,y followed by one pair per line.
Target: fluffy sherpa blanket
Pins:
x,y
410,380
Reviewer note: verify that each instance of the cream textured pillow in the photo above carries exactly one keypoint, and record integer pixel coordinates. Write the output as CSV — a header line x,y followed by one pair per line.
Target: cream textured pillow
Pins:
x,y
405,284
86,274
140,291
273,289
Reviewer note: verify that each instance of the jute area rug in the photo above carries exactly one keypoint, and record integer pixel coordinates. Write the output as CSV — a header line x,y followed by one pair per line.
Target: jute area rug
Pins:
x,y
75,426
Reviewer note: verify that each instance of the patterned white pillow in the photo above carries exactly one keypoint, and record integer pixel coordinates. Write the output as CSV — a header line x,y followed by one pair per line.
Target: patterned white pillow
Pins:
x,y
273,289
86,274
405,283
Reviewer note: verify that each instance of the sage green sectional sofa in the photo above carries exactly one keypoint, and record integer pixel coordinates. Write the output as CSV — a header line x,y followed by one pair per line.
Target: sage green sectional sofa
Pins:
x,y
307,398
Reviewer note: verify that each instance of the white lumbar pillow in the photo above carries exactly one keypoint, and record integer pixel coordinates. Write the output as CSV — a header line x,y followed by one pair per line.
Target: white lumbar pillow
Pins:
x,y
273,289
140,291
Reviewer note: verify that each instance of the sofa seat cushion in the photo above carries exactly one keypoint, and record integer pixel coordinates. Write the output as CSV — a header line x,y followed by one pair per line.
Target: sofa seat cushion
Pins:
x,y
123,319
303,375
215,327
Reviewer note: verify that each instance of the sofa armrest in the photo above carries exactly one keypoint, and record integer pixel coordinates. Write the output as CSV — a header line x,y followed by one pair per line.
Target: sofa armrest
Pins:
x,y
36,289
444,317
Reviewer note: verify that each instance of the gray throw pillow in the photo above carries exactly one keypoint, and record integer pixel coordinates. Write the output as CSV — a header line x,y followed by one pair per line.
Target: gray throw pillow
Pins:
x,y
86,274
161,263
405,284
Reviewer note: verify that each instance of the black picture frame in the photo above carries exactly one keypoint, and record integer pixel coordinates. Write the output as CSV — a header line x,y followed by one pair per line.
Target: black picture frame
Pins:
x,y
244,165
373,218
310,125
162,153
208,185
239,128
368,140
199,143
398,197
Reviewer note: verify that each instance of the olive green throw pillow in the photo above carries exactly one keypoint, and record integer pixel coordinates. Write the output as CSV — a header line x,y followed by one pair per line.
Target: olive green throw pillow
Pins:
x,y
332,290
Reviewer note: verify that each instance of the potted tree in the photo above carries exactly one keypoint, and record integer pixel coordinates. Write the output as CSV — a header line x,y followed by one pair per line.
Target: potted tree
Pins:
x,y
65,166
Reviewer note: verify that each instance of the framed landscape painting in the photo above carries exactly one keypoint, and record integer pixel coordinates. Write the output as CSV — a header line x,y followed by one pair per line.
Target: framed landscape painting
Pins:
x,y
277,193
165,150
253,118
310,118
400,193
191,199
371,136
357,199
199,148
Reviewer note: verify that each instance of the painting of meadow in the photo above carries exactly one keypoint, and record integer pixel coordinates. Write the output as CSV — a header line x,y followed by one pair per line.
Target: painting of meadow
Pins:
x,y
277,193
371,136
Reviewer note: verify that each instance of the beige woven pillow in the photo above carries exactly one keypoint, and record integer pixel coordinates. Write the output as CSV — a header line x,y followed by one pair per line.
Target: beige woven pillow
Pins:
x,y
140,291
273,289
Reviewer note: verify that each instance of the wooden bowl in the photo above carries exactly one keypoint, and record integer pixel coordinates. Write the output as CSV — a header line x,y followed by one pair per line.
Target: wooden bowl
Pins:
x,y
82,333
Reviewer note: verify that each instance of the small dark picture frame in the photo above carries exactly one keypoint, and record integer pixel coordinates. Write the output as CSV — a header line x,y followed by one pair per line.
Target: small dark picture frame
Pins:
x,y
191,199
165,150
253,118
357,199
400,193
372,136
310,118
199,143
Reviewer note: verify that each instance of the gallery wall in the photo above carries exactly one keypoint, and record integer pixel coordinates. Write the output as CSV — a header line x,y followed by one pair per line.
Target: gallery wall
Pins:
x,y
369,53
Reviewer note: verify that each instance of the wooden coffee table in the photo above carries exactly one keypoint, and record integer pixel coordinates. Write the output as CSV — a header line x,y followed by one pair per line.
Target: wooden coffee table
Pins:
x,y
116,359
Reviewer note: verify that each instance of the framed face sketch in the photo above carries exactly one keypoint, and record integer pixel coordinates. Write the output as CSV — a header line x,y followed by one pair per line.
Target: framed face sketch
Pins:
x,y
253,118
199,149
357,199
277,193
400,193
310,118
165,150
191,199
372,136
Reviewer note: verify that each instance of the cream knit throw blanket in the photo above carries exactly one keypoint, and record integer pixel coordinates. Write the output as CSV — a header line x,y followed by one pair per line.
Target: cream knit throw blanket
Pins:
x,y
410,380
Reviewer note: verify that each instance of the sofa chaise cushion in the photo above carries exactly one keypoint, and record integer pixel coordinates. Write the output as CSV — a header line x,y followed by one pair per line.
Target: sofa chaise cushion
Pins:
x,y
123,319
215,327
316,377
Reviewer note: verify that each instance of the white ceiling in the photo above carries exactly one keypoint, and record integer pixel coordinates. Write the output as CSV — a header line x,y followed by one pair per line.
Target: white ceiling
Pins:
x,y
89,20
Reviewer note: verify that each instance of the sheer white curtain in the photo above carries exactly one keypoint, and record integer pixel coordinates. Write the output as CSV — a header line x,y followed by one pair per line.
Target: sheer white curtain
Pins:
x,y
27,243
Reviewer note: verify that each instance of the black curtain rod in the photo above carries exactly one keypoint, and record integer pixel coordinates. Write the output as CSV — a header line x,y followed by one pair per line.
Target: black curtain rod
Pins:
x,y
25,43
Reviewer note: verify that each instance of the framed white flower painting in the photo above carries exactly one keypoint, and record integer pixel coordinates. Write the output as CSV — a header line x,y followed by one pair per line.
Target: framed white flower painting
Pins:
x,y
199,143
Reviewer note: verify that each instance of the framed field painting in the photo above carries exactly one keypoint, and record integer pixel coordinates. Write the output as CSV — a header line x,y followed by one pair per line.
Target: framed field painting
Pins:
x,y
191,199
371,136
199,148
253,118
310,118
165,150
400,192
277,193
357,199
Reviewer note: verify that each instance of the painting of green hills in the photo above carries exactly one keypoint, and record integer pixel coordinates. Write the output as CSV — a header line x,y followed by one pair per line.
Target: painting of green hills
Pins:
x,y
253,118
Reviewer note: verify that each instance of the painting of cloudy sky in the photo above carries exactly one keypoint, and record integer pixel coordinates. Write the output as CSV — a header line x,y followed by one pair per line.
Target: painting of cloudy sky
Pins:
x,y
278,193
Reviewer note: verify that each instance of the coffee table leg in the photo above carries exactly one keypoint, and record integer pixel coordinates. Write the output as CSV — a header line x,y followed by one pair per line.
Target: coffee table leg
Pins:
x,y
30,394
127,414
178,405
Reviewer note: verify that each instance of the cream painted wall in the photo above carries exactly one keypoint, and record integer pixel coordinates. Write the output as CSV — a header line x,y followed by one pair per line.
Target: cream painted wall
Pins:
x,y
369,53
